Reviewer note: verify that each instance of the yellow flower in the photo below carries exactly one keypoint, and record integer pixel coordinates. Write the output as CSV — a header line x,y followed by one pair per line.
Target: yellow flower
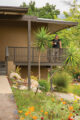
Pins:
x,y
46,113
70,108
53,99
34,117
75,101
20,111
22,118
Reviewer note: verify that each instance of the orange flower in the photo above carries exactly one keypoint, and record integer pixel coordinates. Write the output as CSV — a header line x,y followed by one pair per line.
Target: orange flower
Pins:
x,y
20,111
64,102
61,99
53,99
41,110
27,113
70,115
34,117
70,108
31,109
46,113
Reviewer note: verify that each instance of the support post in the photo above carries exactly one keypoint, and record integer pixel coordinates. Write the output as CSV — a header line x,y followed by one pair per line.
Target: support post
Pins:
x,y
29,54
6,58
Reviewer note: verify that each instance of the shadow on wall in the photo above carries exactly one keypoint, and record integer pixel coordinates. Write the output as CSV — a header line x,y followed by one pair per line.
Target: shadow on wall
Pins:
x,y
34,72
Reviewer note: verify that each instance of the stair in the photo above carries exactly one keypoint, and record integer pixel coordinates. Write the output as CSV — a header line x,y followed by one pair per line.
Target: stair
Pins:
x,y
3,68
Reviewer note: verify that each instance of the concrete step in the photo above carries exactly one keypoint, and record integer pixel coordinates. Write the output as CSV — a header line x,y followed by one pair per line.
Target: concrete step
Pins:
x,y
2,72
2,68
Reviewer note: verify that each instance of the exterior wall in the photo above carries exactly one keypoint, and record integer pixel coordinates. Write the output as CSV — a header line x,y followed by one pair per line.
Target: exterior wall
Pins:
x,y
11,67
34,72
15,35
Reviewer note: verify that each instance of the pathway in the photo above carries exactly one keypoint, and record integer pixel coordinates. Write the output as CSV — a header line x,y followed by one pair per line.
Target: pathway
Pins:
x,y
8,109
66,96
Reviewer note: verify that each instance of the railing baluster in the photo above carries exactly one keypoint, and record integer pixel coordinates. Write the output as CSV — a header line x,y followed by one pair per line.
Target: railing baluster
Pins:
x,y
51,56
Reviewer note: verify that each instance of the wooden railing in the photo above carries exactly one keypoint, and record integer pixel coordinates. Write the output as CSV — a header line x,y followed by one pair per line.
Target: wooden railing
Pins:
x,y
50,55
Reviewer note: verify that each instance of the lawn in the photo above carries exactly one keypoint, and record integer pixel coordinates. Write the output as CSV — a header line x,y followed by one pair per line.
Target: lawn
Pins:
x,y
44,107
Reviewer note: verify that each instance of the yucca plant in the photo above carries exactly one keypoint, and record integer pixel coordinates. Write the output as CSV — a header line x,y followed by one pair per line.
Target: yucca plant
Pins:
x,y
42,37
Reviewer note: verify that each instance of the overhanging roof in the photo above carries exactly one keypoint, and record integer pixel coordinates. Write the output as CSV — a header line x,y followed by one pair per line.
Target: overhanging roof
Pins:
x,y
53,25
13,10
57,25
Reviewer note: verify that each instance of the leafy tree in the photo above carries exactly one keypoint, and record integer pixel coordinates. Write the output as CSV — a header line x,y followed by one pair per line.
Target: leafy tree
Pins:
x,y
71,34
71,38
48,11
41,42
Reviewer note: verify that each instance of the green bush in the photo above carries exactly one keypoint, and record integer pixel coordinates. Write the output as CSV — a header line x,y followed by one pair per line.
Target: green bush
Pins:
x,y
62,79
44,85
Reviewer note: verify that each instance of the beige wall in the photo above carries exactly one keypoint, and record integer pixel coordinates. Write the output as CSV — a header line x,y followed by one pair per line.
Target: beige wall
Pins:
x,y
11,67
15,35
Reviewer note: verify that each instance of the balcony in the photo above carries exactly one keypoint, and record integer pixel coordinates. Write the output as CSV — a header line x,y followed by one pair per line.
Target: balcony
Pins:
x,y
50,56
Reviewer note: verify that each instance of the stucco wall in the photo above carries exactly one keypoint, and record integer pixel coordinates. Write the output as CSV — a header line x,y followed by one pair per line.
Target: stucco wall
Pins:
x,y
11,67
15,35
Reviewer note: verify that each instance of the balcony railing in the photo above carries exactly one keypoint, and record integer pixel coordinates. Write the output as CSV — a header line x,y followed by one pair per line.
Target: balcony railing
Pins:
x,y
49,56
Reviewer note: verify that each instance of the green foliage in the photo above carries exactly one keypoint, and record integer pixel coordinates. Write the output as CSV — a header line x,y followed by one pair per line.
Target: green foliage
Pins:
x,y
62,79
74,70
73,58
18,70
76,89
72,34
44,85
48,11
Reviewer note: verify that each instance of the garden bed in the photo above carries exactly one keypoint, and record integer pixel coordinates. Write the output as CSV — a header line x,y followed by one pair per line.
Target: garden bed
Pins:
x,y
44,107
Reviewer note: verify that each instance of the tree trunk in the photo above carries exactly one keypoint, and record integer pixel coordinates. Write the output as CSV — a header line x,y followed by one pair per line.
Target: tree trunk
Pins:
x,y
39,71
51,82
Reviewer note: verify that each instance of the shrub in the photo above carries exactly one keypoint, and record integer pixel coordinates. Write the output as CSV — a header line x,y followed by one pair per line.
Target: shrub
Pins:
x,y
18,70
61,79
44,85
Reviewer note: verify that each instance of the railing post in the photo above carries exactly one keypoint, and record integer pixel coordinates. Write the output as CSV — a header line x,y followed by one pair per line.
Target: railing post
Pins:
x,y
6,58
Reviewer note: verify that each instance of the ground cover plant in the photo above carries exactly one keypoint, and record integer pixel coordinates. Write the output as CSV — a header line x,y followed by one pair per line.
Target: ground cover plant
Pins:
x,y
44,107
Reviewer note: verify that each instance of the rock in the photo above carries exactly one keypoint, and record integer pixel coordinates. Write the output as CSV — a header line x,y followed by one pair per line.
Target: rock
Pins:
x,y
77,118
22,87
14,86
34,84
14,75
48,94
34,89
19,81
39,91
